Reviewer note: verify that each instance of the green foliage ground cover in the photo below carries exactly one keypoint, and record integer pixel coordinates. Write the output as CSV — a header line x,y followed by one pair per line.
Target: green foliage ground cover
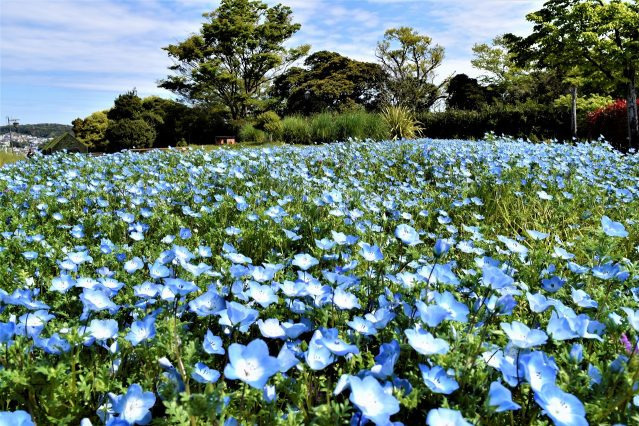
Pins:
x,y
373,282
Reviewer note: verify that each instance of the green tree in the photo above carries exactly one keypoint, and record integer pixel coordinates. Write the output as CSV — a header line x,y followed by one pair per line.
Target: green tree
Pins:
x,y
411,61
130,133
589,37
130,126
330,81
237,52
509,82
92,130
466,93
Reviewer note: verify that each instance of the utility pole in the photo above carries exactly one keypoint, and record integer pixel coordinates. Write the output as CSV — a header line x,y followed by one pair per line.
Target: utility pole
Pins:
x,y
11,121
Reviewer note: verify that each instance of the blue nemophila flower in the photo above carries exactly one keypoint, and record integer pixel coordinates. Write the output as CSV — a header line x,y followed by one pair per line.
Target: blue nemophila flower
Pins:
x,y
445,417
251,364
208,303
325,244
523,337
133,407
538,302
203,374
562,253
370,253
538,369
612,228
212,344
262,294
54,345
442,246
237,314
318,356
495,277
96,301
30,255
438,380
345,300
330,339
304,261
431,315
158,270
102,330
271,328
407,234
563,408
633,317
577,352
179,286
424,342
133,265
582,299
62,284
15,418
536,235
287,358
385,361
501,398
553,284
457,311
371,399
363,326
141,330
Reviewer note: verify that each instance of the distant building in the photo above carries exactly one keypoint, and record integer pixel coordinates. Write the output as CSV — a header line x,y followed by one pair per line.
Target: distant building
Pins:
x,y
63,142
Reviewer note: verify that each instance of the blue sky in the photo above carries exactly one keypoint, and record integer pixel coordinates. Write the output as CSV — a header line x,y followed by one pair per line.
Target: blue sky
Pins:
x,y
62,59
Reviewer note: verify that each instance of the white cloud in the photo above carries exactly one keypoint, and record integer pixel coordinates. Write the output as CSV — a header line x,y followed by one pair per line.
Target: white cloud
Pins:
x,y
113,45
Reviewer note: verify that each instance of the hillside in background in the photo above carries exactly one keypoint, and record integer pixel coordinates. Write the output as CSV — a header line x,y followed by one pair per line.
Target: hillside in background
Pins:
x,y
41,130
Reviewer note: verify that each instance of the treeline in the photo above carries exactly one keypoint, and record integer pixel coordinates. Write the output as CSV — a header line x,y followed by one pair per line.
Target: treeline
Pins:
x,y
236,77
41,130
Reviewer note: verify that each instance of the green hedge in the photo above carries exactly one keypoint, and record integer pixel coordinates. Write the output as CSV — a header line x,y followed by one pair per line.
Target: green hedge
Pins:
x,y
534,122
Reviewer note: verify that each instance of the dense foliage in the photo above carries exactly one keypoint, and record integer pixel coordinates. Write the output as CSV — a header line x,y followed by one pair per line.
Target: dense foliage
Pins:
x,y
42,130
611,123
237,51
494,282
330,82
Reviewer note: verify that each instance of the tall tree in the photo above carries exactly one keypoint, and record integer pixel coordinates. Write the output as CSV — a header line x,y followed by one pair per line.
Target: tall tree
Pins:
x,y
92,130
587,37
330,81
466,93
130,126
239,49
411,61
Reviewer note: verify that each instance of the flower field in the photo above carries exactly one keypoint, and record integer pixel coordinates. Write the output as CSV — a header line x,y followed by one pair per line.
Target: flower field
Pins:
x,y
422,282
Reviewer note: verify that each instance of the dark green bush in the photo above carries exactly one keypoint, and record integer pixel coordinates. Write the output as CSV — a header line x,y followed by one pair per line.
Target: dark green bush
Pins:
x,y
248,133
296,129
525,121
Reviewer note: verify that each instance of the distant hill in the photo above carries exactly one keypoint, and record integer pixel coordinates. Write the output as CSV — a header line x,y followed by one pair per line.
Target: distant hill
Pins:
x,y
42,130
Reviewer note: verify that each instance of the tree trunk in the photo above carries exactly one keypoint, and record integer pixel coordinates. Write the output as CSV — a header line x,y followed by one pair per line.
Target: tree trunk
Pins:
x,y
631,105
573,111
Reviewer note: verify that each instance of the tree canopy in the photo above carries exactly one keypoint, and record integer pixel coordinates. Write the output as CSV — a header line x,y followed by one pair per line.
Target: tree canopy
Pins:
x,y
411,61
331,82
237,51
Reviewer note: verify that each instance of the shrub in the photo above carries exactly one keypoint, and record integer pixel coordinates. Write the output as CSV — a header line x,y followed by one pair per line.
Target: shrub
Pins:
x,y
270,123
248,133
611,122
401,122
523,121
296,129
324,128
361,125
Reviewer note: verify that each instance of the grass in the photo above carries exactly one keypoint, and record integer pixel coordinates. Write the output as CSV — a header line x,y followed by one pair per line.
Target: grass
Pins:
x,y
7,157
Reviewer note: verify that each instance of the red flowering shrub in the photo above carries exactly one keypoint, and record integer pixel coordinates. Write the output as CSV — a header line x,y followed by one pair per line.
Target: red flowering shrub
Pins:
x,y
611,122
